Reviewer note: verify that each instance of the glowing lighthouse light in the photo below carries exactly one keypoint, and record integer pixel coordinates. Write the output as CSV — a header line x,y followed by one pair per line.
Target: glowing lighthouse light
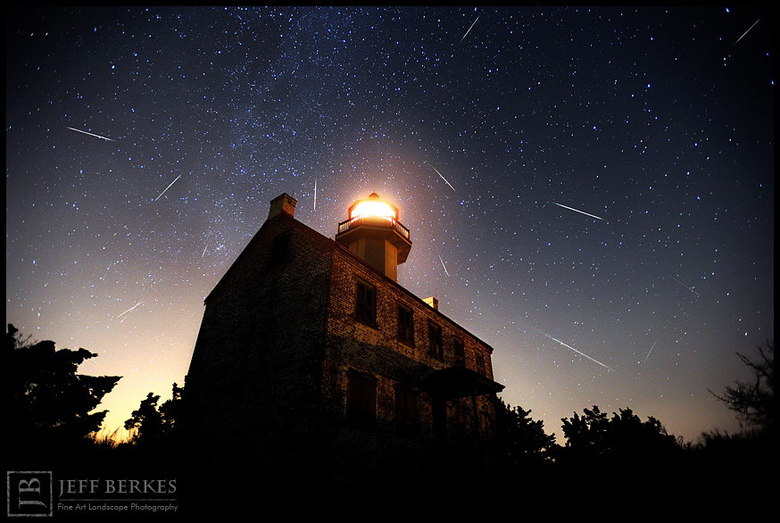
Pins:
x,y
373,207
373,233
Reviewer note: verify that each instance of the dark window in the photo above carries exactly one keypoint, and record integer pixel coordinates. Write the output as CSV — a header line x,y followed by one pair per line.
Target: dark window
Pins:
x,y
435,344
405,325
458,352
486,427
361,399
280,249
365,304
405,410
480,360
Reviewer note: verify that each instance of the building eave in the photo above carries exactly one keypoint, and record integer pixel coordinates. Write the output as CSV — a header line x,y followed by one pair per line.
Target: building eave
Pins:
x,y
459,382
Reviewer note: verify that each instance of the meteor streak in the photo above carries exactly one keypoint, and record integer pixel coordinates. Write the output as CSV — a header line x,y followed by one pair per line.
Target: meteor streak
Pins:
x,y
169,186
746,32
681,283
578,352
444,266
443,178
128,310
651,350
472,25
204,250
570,348
577,210
315,194
91,134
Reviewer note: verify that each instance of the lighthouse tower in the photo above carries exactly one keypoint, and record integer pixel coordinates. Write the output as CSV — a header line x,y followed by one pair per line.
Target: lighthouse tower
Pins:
x,y
372,232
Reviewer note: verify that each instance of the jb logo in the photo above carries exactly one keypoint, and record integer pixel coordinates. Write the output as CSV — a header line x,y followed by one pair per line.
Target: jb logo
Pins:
x,y
29,493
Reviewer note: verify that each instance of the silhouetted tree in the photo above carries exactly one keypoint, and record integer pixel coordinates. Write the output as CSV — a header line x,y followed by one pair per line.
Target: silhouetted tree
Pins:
x,y
755,402
520,440
753,452
171,410
152,425
597,439
46,397
586,435
146,423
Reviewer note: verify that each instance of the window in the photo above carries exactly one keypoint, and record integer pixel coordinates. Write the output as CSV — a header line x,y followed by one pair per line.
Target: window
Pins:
x,y
435,345
361,399
365,304
405,325
405,410
480,361
458,352
280,249
485,427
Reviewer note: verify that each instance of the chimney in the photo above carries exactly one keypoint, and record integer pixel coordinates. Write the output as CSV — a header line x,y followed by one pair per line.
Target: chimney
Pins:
x,y
433,302
284,203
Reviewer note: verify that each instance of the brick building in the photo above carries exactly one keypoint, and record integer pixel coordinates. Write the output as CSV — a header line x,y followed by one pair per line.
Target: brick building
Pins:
x,y
313,364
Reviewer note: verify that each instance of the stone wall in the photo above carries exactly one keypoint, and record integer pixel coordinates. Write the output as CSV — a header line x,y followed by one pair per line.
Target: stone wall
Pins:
x,y
254,380
376,350
267,386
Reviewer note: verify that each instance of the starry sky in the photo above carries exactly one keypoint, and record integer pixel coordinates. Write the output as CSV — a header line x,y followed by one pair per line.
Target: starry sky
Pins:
x,y
589,190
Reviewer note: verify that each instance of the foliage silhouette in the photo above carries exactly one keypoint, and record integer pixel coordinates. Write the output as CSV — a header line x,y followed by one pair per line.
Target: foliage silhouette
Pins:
x,y
752,453
755,402
146,422
46,397
49,401
151,425
521,441
624,439
172,410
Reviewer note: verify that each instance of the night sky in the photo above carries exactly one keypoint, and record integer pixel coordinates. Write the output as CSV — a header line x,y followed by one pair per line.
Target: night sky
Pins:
x,y
589,190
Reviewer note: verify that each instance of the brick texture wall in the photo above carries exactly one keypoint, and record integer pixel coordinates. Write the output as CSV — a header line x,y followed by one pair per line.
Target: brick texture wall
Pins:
x,y
267,385
254,380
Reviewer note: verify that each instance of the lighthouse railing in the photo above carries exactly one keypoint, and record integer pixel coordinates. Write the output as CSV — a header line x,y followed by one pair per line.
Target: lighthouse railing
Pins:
x,y
373,221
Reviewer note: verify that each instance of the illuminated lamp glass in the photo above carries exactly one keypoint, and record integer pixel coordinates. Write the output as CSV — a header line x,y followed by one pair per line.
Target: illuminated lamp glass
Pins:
x,y
373,207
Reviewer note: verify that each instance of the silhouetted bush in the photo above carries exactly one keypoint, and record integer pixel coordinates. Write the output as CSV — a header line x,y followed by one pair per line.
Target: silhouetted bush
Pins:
x,y
47,400
624,441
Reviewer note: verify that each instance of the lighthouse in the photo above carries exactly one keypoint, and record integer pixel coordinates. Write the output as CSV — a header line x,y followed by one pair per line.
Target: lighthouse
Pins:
x,y
313,366
373,232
